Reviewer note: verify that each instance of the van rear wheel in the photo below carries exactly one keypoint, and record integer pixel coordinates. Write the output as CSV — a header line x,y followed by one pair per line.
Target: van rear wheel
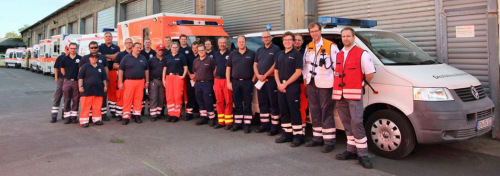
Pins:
x,y
390,134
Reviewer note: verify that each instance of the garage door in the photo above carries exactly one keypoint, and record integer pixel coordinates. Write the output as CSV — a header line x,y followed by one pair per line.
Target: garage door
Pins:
x,y
241,17
135,9
413,19
177,6
89,25
468,50
106,19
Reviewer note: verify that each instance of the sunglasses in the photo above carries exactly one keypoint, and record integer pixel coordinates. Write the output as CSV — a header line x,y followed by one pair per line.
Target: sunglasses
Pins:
x,y
93,47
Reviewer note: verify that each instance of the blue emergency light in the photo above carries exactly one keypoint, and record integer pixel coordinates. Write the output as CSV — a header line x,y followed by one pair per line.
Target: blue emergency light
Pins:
x,y
268,27
330,22
191,22
108,29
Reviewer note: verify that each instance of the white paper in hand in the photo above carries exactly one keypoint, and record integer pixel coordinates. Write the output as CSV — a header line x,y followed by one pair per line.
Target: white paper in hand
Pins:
x,y
192,82
259,84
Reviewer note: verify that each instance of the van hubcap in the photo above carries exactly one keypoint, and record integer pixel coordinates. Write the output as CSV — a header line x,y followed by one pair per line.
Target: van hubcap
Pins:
x,y
386,135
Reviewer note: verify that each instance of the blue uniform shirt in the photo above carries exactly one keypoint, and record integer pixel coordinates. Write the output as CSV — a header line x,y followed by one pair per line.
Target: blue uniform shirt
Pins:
x,y
265,57
93,78
100,61
156,67
220,62
71,66
287,63
241,64
134,67
105,49
175,64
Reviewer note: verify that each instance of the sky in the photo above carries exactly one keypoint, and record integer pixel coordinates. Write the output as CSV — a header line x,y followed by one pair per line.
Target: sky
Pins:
x,y
14,14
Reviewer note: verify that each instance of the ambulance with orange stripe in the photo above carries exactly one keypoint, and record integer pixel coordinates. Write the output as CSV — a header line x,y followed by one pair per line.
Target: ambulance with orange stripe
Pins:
x,y
33,58
14,57
156,27
59,43
45,56
83,48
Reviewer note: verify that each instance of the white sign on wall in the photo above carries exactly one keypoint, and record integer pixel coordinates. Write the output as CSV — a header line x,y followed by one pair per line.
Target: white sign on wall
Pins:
x,y
465,31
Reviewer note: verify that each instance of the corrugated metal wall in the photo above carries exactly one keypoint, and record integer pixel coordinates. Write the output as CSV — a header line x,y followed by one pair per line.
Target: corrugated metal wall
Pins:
x,y
89,25
135,9
468,53
413,19
177,6
106,19
246,16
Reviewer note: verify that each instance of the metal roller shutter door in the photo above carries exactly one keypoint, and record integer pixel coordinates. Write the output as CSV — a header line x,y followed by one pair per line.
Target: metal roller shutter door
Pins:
x,y
177,6
246,16
468,53
413,19
106,19
135,9
89,25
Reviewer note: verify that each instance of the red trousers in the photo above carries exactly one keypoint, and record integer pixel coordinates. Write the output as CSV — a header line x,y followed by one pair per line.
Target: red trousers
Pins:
x,y
133,92
174,90
224,101
88,103
119,102
113,79
303,102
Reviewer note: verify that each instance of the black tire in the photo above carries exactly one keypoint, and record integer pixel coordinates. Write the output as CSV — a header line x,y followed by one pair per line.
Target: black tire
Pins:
x,y
390,134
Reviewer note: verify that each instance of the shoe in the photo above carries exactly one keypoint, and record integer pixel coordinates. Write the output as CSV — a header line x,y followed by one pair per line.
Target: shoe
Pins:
x,y
261,130
346,155
99,123
228,127
313,143
169,119
217,126
202,121
327,148
113,115
53,120
74,120
67,120
365,162
211,122
273,133
105,117
296,142
85,125
189,117
247,130
283,139
175,119
138,119
235,128
119,118
125,121
153,119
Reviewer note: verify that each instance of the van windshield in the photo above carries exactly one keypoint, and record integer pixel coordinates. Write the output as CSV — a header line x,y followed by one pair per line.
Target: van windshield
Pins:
x,y
392,49
19,55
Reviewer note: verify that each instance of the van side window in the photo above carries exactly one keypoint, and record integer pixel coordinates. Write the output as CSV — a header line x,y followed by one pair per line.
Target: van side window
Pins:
x,y
145,34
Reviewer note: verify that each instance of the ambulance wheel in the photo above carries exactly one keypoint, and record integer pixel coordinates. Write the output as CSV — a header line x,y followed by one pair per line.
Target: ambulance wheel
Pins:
x,y
390,134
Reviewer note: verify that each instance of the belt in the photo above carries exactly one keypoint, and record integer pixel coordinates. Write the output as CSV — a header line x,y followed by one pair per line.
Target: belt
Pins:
x,y
155,78
220,77
67,79
205,81
242,79
173,74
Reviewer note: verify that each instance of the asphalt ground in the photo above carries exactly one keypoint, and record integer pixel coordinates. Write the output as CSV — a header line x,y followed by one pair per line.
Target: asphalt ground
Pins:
x,y
30,145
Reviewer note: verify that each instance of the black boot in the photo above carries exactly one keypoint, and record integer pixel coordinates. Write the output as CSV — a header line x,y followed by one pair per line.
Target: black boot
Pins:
x,y
153,118
247,130
125,121
228,127
54,118
313,143
119,118
327,148
98,123
74,120
67,120
138,119
211,122
217,126
365,162
175,119
346,155
261,130
284,138
188,117
85,125
273,132
168,119
105,117
236,128
297,141
202,121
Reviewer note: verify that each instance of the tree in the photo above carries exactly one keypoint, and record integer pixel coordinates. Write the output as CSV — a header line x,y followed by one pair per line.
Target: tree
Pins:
x,y
24,27
12,34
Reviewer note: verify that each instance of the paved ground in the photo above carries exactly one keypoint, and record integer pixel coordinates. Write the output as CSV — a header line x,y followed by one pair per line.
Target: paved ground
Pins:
x,y
30,145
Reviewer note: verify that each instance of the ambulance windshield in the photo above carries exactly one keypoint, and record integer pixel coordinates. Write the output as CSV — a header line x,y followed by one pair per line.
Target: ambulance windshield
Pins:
x,y
19,55
392,49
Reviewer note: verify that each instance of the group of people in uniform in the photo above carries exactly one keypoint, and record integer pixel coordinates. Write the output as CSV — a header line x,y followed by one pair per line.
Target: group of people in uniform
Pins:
x,y
219,86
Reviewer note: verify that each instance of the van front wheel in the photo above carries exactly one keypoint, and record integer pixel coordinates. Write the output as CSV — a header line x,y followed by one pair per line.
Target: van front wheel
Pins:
x,y
390,134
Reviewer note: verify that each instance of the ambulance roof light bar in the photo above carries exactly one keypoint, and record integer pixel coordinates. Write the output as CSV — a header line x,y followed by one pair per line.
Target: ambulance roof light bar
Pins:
x,y
196,22
330,22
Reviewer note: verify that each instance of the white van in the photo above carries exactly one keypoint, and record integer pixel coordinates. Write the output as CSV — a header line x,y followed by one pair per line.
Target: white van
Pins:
x,y
13,57
84,41
419,99
59,42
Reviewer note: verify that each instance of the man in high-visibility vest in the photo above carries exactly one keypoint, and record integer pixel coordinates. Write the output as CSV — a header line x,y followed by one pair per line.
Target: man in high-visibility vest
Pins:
x,y
348,92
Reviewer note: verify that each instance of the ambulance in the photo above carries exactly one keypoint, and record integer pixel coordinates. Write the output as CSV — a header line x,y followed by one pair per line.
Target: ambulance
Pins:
x,y
33,59
417,98
26,56
85,40
59,42
156,27
45,56
14,57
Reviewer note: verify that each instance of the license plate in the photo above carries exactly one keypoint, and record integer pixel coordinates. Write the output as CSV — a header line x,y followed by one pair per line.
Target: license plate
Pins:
x,y
484,123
